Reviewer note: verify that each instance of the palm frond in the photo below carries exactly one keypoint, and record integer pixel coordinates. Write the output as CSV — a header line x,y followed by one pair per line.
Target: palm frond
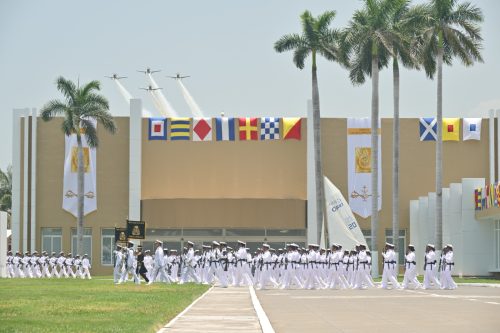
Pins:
x,y
300,55
289,42
90,132
67,88
52,109
89,87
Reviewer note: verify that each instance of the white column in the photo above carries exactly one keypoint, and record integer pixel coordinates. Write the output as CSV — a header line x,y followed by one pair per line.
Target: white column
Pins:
x,y
33,176
135,160
25,178
16,179
498,148
312,228
3,244
492,145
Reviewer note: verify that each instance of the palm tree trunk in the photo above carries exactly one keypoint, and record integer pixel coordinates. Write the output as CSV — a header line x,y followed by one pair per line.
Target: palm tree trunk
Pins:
x,y
374,143
318,166
80,190
439,152
395,158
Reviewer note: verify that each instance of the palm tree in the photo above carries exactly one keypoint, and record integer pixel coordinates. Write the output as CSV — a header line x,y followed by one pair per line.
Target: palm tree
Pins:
x,y
317,38
453,31
368,42
80,108
6,189
407,24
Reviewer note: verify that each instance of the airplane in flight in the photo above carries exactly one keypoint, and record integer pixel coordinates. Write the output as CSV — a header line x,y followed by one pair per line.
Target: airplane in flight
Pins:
x,y
178,76
116,77
150,88
150,71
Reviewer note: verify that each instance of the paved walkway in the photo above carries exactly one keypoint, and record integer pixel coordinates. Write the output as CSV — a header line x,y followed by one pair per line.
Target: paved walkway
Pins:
x,y
219,310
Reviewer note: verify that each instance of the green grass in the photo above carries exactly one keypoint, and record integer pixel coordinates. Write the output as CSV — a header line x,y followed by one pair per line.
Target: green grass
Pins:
x,y
97,305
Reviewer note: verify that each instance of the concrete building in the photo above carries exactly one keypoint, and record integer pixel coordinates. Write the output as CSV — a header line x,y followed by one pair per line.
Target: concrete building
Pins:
x,y
200,191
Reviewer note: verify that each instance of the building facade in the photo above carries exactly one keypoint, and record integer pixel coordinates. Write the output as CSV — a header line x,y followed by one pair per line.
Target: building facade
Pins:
x,y
201,191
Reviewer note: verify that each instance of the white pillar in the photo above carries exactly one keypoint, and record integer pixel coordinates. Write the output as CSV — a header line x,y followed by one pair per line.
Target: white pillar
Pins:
x,y
33,177
312,228
3,244
135,160
25,178
492,145
498,148
16,179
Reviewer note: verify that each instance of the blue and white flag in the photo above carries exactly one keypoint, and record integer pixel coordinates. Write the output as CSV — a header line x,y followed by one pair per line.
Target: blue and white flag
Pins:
x,y
472,128
224,129
157,129
428,129
269,128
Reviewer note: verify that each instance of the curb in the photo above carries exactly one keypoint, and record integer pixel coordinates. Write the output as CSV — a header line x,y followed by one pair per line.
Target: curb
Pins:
x,y
265,324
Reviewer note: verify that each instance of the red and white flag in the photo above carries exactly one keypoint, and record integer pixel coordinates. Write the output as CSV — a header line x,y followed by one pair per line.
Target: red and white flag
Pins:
x,y
202,129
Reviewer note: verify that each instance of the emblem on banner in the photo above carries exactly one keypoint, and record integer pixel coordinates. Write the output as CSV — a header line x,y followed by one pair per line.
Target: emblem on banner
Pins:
x,y
363,195
363,159
74,159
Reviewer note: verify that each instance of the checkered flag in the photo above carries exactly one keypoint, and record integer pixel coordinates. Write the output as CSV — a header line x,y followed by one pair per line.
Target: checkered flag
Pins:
x,y
269,128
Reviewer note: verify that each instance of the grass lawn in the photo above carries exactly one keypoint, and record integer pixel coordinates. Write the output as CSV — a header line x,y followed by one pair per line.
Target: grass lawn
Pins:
x,y
97,305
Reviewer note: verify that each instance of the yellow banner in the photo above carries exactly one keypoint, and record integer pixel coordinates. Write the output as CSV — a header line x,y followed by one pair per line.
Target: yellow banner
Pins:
x,y
74,159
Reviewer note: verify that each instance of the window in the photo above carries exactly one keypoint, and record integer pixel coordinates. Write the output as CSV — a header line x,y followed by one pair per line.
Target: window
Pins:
x,y
107,246
401,246
368,237
163,232
285,232
245,232
87,242
51,240
202,232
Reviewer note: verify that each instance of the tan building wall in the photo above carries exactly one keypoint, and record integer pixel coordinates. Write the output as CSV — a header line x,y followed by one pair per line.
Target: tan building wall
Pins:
x,y
191,180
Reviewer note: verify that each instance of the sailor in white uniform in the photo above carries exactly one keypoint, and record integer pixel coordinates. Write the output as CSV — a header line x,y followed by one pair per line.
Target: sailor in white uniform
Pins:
x,y
430,267
411,269
447,269
390,266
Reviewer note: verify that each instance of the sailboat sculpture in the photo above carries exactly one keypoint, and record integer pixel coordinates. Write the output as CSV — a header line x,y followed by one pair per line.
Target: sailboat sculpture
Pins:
x,y
343,228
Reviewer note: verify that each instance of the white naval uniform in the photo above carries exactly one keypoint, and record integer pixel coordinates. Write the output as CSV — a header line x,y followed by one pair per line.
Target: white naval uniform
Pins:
x,y
430,267
118,266
188,269
159,267
448,263
53,267
62,269
86,268
363,271
410,272
390,266
68,263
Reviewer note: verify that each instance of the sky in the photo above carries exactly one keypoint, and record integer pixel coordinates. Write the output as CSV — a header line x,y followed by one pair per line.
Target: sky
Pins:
x,y
227,48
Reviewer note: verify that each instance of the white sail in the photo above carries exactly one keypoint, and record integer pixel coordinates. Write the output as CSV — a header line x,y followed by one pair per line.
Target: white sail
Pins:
x,y
343,228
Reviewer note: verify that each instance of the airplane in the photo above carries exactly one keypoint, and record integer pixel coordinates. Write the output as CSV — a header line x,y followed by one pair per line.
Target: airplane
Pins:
x,y
150,71
178,76
116,77
150,88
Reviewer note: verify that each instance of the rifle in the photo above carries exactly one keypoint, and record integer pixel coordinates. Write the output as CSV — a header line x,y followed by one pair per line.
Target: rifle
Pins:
x,y
425,262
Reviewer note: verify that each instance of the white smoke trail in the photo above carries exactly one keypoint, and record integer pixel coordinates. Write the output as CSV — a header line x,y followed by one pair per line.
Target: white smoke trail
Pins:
x,y
127,96
166,107
195,109
157,104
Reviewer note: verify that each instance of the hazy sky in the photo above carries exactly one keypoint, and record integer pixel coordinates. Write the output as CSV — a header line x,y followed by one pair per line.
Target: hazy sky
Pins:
x,y
227,48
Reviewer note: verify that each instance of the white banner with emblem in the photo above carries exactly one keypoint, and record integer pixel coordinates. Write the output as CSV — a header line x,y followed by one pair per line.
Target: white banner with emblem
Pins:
x,y
70,198
359,159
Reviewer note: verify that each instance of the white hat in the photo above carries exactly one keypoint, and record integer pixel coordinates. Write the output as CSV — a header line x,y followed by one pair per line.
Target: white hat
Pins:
x,y
158,241
215,243
190,243
265,245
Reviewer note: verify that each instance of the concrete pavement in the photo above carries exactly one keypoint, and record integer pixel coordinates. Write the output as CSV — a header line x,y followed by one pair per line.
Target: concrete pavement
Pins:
x,y
466,309
219,310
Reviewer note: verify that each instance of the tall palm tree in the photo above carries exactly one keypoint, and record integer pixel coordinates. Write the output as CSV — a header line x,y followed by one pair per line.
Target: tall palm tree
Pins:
x,y
368,42
6,189
80,108
453,31
317,38
407,23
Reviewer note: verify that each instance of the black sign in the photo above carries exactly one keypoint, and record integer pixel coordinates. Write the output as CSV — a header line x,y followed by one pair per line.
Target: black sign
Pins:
x,y
136,229
120,235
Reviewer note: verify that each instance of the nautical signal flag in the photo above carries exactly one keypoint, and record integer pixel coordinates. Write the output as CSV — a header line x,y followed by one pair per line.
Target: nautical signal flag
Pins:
x,y
248,129
224,129
291,128
428,129
451,129
472,129
202,129
180,128
157,129
269,128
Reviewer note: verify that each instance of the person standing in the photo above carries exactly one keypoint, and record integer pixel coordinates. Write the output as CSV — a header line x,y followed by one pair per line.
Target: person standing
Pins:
x,y
86,267
118,264
430,268
189,263
448,267
141,268
410,269
159,267
390,265
60,263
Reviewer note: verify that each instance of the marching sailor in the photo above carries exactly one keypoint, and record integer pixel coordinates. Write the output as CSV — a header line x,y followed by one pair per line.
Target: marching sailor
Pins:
x,y
86,267
448,266
390,266
430,268
410,269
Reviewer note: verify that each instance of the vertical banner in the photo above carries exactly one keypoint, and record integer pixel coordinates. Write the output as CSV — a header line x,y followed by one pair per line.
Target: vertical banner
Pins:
x,y
70,191
342,225
359,159
136,229
121,236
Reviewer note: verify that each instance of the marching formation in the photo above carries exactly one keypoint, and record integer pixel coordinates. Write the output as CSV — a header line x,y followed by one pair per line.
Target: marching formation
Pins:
x,y
47,266
292,267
